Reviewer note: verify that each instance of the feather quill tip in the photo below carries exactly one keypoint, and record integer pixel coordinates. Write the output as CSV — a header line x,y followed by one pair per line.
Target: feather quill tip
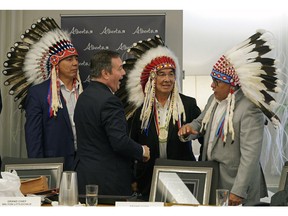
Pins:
x,y
278,71
262,31
273,104
277,89
275,121
279,82
276,62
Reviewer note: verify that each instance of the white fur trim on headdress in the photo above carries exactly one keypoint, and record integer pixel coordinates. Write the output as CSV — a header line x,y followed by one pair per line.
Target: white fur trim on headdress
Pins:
x,y
134,87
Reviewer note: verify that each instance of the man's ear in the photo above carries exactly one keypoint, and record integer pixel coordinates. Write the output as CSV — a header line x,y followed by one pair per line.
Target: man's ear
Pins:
x,y
105,74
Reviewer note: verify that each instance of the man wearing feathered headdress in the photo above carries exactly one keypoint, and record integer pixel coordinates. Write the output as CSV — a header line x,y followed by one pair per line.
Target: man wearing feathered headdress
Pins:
x,y
233,121
45,68
156,109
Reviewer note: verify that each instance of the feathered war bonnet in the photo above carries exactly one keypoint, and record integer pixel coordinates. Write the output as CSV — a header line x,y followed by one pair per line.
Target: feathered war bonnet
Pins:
x,y
244,66
36,58
138,86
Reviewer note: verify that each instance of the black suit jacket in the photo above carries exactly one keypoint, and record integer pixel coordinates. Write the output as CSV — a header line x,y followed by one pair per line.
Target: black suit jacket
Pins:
x,y
105,152
46,136
176,149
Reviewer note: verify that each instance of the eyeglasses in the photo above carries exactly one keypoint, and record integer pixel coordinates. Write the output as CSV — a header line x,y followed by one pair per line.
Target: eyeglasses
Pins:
x,y
171,75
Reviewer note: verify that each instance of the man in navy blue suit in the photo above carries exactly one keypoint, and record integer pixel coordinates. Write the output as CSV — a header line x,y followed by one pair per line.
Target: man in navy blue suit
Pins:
x,y
53,135
49,106
105,152
45,77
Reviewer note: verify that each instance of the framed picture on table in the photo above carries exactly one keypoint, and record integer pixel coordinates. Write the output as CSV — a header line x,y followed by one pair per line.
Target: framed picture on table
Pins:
x,y
284,177
31,168
184,182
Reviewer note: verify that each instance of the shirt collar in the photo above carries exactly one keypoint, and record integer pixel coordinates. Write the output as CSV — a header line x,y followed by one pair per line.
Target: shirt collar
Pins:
x,y
62,86
226,99
166,103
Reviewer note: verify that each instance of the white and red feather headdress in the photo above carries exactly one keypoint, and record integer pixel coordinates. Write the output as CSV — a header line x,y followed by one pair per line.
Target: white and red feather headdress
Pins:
x,y
35,59
138,87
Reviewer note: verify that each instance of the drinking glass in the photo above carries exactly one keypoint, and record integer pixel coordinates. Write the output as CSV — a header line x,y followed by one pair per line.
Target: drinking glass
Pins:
x,y
91,195
222,197
68,191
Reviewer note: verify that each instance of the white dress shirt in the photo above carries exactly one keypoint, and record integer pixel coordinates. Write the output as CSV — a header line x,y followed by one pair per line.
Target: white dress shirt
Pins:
x,y
71,99
218,116
163,121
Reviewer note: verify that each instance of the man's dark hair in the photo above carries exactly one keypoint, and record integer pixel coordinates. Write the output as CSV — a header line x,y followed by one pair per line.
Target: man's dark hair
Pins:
x,y
102,61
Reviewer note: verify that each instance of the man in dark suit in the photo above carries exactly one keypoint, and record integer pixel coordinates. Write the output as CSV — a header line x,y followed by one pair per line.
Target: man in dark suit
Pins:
x,y
51,136
47,86
49,106
105,152
175,149
153,78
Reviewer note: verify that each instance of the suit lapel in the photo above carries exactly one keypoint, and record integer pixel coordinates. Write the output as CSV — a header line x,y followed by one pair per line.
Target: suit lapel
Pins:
x,y
171,129
207,133
65,111
238,96
152,129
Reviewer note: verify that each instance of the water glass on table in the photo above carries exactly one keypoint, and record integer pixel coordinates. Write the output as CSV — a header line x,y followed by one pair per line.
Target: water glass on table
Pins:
x,y
222,197
91,195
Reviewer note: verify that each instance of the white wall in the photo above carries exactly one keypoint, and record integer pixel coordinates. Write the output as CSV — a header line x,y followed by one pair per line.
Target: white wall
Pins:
x,y
213,27
199,88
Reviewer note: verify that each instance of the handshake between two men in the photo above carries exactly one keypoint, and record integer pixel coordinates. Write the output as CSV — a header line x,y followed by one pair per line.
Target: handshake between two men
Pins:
x,y
146,153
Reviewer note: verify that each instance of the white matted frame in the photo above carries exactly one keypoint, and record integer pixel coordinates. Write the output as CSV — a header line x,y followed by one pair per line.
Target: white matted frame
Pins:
x,y
176,184
284,177
28,168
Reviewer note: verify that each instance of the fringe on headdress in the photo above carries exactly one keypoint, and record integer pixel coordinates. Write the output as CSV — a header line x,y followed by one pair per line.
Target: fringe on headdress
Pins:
x,y
138,87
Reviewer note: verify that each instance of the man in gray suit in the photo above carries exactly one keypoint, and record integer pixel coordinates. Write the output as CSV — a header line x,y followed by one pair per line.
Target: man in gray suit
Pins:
x,y
233,123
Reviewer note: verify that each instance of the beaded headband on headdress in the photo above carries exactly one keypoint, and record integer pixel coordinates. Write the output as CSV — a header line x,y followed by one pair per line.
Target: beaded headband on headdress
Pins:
x,y
138,87
244,66
155,65
35,59
224,71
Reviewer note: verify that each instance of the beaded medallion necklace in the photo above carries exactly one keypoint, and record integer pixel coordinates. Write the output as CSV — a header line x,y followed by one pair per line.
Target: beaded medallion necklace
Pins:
x,y
162,129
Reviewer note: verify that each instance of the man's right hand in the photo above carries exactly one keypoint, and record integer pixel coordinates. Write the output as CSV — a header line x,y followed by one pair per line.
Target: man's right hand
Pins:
x,y
146,153
186,130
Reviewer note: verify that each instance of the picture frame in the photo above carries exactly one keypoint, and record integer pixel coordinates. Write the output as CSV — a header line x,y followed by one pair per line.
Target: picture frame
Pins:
x,y
184,182
29,168
284,177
